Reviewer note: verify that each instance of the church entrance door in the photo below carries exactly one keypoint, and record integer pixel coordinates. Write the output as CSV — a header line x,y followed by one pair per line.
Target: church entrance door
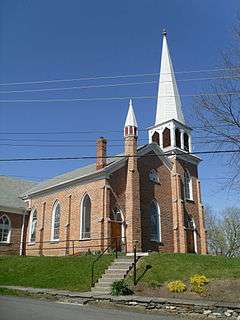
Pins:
x,y
116,235
190,240
117,229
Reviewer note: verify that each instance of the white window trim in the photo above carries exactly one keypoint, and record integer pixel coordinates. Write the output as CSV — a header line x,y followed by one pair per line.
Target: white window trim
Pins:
x,y
81,218
53,221
30,227
9,228
190,186
159,224
195,236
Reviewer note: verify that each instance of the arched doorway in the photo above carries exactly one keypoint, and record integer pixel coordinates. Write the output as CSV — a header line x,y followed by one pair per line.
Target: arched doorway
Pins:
x,y
117,229
191,234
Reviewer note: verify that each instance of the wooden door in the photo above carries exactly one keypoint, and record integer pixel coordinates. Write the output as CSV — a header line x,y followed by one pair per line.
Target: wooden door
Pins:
x,y
116,235
190,241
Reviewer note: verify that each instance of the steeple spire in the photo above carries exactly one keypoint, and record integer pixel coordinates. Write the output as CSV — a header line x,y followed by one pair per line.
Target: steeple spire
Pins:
x,y
131,119
169,105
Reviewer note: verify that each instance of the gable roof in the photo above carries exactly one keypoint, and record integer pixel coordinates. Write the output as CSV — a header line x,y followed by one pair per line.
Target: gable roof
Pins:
x,y
89,172
11,190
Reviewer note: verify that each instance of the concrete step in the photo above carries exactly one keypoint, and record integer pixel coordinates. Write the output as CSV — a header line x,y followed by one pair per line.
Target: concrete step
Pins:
x,y
112,278
101,290
119,267
115,272
139,254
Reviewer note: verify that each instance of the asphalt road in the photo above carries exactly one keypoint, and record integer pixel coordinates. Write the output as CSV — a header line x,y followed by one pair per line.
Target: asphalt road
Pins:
x,y
15,308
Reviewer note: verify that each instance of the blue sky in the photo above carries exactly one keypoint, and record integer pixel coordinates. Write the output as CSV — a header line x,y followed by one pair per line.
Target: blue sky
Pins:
x,y
60,39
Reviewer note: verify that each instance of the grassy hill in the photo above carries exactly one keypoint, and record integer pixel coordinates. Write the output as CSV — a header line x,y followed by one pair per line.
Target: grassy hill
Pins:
x,y
74,273
69,273
167,267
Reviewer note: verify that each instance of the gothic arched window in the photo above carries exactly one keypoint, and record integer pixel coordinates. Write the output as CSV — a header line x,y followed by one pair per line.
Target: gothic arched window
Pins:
x,y
166,138
5,229
178,138
33,226
187,183
85,223
155,221
116,215
56,221
156,138
186,141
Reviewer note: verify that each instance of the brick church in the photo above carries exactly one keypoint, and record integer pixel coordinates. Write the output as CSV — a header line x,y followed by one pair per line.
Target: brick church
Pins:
x,y
149,196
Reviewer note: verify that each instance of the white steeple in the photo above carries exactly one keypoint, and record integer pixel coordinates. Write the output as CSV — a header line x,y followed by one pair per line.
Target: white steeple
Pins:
x,y
131,119
169,105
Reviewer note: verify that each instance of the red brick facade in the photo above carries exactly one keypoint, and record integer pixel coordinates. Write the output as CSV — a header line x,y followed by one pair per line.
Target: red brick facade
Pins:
x,y
129,189
13,246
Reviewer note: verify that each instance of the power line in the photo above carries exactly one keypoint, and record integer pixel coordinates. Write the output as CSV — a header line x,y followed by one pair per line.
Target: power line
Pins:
x,y
116,76
113,85
96,131
117,156
116,98
92,145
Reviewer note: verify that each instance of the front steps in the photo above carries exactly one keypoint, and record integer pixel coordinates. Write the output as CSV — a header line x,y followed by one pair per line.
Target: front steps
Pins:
x,y
116,271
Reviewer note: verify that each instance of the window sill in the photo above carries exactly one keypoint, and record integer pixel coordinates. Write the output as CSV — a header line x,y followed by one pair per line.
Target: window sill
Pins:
x,y
190,200
54,241
157,241
85,239
2,243
31,243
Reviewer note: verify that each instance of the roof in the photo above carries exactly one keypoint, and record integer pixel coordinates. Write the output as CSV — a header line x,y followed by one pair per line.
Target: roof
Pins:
x,y
11,190
131,119
169,104
89,172
71,176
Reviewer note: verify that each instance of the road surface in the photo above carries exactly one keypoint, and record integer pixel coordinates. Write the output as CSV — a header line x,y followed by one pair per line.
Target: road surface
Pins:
x,y
17,308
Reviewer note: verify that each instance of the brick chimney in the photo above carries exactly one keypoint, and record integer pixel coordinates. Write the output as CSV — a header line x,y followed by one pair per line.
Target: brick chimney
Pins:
x,y
101,160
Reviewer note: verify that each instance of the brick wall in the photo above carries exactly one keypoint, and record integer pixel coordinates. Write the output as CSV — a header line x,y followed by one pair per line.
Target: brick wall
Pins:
x,y
13,247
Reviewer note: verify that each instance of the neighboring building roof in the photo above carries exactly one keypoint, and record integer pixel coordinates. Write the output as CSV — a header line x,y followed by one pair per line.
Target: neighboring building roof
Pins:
x,y
169,104
89,172
11,190
131,119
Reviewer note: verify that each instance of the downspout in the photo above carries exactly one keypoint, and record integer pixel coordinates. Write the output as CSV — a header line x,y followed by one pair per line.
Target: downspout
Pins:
x,y
22,234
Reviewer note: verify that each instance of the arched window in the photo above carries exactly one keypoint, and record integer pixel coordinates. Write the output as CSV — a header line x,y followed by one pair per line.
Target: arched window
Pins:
x,y
166,138
116,215
33,226
56,221
187,183
85,229
178,138
5,229
155,222
186,141
155,137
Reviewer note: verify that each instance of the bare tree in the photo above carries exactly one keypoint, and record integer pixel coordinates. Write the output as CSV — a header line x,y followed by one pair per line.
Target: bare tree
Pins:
x,y
218,108
223,232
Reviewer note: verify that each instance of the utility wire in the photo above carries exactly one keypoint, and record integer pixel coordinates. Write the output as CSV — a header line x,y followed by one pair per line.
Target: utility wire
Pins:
x,y
97,131
114,85
118,156
117,98
117,76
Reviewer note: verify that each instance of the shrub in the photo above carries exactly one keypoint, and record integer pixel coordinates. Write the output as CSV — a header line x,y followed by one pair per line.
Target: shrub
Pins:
x,y
198,280
120,288
176,286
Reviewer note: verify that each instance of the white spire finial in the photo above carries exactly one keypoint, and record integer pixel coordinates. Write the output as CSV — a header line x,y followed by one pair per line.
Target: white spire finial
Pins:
x,y
168,103
131,119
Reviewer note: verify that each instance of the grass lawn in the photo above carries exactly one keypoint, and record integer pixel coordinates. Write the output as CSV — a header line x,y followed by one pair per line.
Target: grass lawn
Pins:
x,y
167,267
69,273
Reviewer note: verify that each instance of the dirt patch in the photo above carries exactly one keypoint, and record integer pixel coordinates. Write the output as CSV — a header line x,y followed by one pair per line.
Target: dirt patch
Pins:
x,y
218,290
